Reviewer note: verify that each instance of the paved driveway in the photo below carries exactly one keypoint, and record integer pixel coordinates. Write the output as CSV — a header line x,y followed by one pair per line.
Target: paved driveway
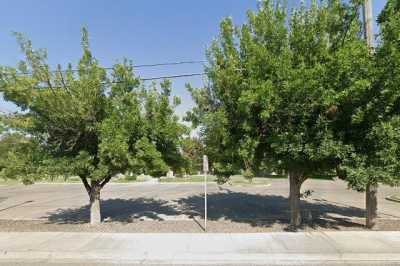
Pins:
x,y
67,203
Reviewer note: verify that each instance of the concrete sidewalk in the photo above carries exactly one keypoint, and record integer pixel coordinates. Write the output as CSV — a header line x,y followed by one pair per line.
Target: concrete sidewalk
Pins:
x,y
358,248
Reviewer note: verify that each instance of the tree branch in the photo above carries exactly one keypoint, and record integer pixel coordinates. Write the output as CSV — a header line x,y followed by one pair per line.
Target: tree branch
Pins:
x,y
63,81
49,82
303,178
86,184
105,181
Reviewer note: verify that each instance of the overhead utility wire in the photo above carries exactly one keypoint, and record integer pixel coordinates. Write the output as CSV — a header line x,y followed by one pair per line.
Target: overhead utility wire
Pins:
x,y
169,64
143,79
173,76
134,66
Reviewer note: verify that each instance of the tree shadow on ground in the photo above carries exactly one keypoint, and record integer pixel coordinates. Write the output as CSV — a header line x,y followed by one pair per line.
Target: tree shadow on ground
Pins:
x,y
240,207
119,210
267,210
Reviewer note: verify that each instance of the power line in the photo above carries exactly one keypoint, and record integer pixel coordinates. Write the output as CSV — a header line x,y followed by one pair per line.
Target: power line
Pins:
x,y
170,64
173,76
142,79
134,66
144,66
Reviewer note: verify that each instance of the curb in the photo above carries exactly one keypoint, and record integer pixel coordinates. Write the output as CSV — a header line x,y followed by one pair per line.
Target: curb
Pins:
x,y
44,257
392,198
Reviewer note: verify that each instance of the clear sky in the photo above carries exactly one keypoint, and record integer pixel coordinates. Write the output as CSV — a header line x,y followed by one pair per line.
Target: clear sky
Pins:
x,y
146,31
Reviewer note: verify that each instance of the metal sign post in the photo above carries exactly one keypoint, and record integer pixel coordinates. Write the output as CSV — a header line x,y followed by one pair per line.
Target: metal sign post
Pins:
x,y
205,170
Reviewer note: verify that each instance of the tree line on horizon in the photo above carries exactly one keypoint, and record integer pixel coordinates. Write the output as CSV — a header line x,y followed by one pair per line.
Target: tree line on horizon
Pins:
x,y
299,92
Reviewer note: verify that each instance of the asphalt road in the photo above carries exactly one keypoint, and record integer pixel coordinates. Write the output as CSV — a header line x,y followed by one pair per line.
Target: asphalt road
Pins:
x,y
67,203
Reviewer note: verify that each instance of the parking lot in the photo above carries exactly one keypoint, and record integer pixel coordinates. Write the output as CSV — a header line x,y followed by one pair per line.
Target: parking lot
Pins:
x,y
330,203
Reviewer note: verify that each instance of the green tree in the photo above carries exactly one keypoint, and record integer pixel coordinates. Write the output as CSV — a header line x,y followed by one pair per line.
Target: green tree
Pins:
x,y
21,158
270,100
2,126
164,128
87,123
192,150
371,123
8,142
14,145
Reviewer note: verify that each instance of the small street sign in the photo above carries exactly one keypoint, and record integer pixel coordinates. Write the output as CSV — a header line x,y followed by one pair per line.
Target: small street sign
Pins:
x,y
205,164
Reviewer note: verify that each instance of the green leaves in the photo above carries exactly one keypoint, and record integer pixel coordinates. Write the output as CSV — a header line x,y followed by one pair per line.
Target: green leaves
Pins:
x,y
90,123
21,158
371,108
280,86
148,159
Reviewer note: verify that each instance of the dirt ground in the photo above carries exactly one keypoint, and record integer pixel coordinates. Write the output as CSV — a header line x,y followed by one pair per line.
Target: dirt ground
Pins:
x,y
191,226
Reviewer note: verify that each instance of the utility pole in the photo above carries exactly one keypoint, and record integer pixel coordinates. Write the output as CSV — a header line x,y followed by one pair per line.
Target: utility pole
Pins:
x,y
371,201
368,23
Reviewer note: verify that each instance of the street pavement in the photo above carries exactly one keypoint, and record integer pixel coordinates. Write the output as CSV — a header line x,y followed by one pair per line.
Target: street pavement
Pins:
x,y
285,248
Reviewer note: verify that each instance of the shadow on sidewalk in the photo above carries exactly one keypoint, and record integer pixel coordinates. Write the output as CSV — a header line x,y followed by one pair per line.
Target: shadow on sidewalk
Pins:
x,y
254,209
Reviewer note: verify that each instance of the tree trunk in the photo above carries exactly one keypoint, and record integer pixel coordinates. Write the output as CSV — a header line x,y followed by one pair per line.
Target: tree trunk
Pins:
x,y
94,195
371,203
340,173
295,180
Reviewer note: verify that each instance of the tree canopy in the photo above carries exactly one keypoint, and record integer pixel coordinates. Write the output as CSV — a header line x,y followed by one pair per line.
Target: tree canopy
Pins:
x,y
373,124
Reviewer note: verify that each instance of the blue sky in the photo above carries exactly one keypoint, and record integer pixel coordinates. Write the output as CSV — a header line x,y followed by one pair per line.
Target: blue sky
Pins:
x,y
146,31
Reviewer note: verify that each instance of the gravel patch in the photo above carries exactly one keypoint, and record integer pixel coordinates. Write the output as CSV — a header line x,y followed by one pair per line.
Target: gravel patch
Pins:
x,y
193,226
